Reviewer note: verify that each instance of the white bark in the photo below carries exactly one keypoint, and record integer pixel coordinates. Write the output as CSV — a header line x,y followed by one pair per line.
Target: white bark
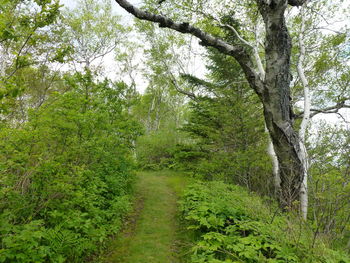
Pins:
x,y
257,58
306,117
275,169
3,61
270,149
149,118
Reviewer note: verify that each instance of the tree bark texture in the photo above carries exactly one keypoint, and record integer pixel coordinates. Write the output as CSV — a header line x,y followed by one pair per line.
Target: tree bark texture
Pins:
x,y
276,100
273,90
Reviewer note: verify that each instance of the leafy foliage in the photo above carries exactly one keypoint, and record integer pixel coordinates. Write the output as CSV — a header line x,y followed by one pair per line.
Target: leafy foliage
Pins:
x,y
155,150
24,41
330,188
235,226
66,175
225,123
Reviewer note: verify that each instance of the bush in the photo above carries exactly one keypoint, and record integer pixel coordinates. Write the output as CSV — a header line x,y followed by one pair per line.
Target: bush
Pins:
x,y
234,226
65,176
156,150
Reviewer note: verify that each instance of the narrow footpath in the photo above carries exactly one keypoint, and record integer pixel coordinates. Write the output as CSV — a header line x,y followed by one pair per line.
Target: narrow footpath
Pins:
x,y
153,232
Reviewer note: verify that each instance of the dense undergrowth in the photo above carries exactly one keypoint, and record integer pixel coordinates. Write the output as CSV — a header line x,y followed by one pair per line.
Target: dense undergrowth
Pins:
x,y
66,174
232,225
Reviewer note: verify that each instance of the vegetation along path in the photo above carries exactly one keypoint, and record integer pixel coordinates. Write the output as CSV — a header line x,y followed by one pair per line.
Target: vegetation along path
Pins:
x,y
152,233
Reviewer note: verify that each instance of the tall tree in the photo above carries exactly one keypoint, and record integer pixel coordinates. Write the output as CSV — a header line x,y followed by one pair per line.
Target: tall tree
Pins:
x,y
227,127
273,89
321,63
93,31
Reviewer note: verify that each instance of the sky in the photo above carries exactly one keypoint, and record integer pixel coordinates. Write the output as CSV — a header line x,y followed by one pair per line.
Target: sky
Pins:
x,y
118,10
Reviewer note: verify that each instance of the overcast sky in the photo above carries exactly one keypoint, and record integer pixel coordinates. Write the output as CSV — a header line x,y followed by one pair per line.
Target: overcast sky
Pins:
x,y
118,10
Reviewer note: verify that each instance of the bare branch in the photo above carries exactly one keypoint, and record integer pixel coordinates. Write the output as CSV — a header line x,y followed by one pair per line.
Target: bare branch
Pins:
x,y
237,51
182,91
231,28
333,109
207,39
328,110
176,86
173,80
245,42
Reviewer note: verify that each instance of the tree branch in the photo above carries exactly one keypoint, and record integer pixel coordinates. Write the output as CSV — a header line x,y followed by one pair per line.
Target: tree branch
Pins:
x,y
231,28
237,51
332,109
207,40
182,91
176,86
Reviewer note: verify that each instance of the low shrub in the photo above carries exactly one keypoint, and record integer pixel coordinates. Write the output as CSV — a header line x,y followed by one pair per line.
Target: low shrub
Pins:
x,y
66,176
232,225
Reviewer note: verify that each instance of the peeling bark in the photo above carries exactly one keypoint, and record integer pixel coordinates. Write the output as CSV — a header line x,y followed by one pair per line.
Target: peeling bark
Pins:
x,y
276,100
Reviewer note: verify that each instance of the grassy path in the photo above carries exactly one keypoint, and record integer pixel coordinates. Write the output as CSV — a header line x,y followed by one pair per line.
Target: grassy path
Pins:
x,y
152,232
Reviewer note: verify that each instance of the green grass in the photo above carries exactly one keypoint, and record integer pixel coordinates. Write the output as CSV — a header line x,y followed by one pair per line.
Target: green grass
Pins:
x,y
153,232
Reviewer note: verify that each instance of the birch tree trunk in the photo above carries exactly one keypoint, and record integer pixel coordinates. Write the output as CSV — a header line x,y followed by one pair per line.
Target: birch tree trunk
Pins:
x,y
149,117
276,100
3,61
306,117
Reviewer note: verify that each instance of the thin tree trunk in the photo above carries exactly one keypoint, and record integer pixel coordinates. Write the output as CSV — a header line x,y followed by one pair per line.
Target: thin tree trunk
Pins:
x,y
3,60
306,117
149,117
